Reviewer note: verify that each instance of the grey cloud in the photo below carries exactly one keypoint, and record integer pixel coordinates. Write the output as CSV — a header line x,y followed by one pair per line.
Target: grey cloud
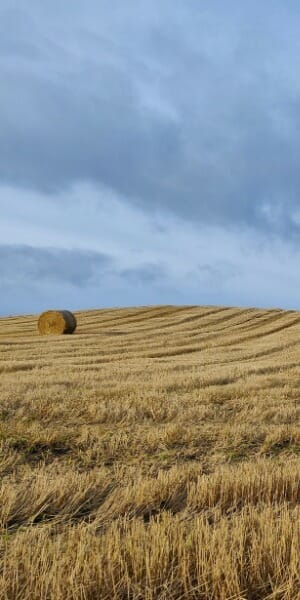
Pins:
x,y
28,265
219,272
144,274
80,268
79,122
33,278
181,109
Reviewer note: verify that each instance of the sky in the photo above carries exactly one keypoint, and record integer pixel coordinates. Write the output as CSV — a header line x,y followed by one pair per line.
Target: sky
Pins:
x,y
149,154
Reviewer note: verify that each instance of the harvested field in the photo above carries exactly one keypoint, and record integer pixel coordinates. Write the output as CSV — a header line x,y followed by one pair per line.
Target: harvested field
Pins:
x,y
153,454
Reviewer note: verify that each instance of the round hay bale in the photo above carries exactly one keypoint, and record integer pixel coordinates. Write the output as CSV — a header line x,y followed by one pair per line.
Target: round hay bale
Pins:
x,y
56,322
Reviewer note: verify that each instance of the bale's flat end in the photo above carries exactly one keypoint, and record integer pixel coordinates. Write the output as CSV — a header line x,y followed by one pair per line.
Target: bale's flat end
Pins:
x,y
56,322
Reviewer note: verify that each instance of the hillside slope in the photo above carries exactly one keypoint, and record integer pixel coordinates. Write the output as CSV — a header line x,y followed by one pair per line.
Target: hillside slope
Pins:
x,y
152,454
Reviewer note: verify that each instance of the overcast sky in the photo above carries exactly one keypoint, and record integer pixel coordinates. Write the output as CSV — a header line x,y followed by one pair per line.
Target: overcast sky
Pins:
x,y
149,153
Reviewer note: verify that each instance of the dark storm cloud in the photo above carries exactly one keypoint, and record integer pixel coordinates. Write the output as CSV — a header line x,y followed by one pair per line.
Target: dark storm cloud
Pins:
x,y
29,265
182,108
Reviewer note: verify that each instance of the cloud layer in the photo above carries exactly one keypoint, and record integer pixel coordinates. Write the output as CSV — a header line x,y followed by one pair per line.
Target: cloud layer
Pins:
x,y
134,258
189,109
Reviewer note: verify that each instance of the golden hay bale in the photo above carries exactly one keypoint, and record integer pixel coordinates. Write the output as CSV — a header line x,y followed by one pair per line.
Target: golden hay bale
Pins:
x,y
56,322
